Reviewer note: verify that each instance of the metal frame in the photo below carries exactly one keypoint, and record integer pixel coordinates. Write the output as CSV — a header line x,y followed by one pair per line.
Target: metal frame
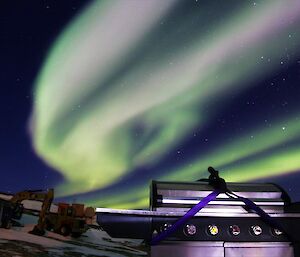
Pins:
x,y
181,213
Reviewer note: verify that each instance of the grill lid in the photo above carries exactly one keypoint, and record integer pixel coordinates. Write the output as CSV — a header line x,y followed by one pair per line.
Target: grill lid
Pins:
x,y
181,196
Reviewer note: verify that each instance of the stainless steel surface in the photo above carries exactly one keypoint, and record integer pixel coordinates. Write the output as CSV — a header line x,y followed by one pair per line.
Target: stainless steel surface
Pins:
x,y
222,249
225,220
181,213
173,200
203,186
258,250
221,209
220,202
256,244
175,196
201,194
188,249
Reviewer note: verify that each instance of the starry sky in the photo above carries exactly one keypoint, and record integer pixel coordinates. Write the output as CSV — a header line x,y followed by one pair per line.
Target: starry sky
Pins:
x,y
101,97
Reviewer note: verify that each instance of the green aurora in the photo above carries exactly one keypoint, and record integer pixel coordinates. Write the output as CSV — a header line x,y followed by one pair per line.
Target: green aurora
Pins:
x,y
128,81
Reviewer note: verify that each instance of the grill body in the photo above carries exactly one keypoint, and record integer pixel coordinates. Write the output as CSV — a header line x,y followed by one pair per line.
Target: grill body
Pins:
x,y
225,227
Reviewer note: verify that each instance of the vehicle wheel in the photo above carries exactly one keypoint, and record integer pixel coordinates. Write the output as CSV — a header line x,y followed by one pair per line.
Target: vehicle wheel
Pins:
x,y
76,234
65,230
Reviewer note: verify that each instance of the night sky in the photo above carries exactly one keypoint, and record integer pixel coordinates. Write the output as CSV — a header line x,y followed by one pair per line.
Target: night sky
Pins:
x,y
98,98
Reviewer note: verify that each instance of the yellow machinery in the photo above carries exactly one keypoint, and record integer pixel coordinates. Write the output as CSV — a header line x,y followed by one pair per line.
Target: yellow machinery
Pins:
x,y
46,197
70,219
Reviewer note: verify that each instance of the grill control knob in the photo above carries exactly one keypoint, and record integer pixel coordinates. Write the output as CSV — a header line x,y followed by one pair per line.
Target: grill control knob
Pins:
x,y
165,226
190,229
213,230
256,230
234,230
277,232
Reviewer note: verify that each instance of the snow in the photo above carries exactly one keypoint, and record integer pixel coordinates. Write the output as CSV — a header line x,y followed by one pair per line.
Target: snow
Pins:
x,y
93,243
17,242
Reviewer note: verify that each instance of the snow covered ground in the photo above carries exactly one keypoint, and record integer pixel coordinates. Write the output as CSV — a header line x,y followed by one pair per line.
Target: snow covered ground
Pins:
x,y
17,242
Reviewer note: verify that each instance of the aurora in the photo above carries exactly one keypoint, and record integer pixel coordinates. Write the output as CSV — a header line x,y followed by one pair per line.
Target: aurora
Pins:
x,y
129,82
